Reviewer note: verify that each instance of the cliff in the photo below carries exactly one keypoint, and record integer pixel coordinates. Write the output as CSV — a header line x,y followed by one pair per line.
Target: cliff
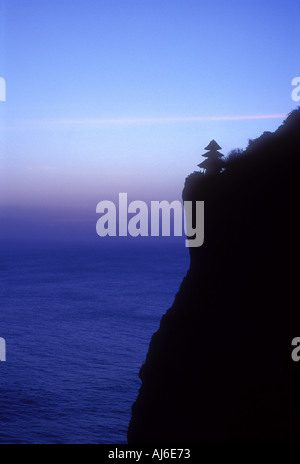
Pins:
x,y
219,369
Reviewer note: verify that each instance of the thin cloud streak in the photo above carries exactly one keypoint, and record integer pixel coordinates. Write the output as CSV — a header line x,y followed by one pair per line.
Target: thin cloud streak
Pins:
x,y
134,121
143,121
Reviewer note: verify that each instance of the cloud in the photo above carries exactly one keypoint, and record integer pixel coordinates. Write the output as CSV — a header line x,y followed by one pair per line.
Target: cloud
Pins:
x,y
143,121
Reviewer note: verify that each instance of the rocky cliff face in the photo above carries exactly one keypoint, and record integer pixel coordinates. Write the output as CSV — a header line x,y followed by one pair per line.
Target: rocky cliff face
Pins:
x,y
219,369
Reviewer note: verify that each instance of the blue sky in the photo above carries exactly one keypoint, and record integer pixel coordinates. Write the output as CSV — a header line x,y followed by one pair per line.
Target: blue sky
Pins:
x,y
109,96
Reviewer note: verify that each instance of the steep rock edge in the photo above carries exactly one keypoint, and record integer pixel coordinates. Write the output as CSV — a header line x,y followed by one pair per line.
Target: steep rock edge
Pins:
x,y
219,368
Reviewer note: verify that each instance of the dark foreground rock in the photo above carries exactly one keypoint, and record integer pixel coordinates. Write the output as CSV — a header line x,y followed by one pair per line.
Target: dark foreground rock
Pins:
x,y
219,369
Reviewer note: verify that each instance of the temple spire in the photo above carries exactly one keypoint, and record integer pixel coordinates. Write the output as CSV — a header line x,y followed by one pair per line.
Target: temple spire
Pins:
x,y
213,163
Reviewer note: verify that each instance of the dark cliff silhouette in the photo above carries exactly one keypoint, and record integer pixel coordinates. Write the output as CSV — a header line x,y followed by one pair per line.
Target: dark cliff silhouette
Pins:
x,y
219,369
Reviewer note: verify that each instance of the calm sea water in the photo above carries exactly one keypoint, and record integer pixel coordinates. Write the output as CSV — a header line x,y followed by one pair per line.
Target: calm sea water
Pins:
x,y
77,321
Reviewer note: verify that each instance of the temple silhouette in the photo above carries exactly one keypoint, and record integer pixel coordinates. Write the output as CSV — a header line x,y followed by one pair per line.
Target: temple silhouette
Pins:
x,y
214,163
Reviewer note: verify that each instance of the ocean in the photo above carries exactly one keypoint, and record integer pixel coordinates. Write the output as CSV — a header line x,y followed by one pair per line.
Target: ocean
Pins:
x,y
77,320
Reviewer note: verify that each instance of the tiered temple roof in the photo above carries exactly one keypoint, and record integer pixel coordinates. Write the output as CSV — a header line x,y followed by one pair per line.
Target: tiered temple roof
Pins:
x,y
213,163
